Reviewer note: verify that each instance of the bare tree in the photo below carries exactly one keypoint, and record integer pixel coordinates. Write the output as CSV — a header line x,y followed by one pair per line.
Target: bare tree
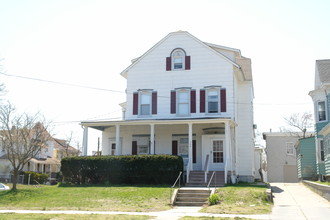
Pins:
x,y
299,123
22,136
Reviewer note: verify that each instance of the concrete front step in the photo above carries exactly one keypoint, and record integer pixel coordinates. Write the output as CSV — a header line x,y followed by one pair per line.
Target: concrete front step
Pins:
x,y
192,197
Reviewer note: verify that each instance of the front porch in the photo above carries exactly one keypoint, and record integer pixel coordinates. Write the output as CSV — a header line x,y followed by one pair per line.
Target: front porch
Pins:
x,y
206,144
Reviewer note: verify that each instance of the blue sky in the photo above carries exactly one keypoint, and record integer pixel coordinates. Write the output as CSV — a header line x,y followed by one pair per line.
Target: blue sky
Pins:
x,y
89,42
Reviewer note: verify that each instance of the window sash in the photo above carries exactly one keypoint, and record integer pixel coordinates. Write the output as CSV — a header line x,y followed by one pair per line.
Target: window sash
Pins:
x,y
183,102
143,149
321,111
289,149
217,151
145,104
213,101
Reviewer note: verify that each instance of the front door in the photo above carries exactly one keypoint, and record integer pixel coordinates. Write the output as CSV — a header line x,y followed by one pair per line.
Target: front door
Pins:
x,y
214,150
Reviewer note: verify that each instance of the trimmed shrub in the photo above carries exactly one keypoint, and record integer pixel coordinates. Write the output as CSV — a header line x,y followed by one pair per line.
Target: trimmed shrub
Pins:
x,y
35,178
214,199
133,169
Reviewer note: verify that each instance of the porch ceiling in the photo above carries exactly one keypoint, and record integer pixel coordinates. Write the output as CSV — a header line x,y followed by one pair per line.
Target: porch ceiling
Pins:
x,y
102,125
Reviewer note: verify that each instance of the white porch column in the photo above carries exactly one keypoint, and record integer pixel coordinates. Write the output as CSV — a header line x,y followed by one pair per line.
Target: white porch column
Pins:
x,y
118,146
190,145
152,139
85,141
228,164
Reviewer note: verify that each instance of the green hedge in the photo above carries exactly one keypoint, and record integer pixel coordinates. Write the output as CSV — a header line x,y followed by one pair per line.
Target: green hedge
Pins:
x,y
134,169
35,178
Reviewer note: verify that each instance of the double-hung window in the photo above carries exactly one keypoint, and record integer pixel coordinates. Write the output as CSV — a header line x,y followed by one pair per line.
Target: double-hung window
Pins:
x,y
213,100
321,110
145,104
289,148
183,102
178,59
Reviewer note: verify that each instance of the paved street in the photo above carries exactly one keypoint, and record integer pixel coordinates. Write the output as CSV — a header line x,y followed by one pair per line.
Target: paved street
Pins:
x,y
295,201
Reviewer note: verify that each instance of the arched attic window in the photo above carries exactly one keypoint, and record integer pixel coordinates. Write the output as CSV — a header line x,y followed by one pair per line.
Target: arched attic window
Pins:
x,y
178,60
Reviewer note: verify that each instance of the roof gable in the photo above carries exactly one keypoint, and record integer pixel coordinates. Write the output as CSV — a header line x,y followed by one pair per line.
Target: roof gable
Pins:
x,y
212,47
322,72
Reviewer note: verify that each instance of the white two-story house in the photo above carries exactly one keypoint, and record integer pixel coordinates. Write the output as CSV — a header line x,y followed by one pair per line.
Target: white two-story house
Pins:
x,y
189,98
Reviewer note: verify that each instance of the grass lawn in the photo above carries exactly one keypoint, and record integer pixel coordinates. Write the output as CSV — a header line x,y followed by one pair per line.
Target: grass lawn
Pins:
x,y
213,218
323,183
90,198
14,216
241,199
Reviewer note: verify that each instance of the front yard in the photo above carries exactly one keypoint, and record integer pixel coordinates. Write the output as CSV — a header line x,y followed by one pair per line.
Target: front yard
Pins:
x,y
241,199
90,198
236,199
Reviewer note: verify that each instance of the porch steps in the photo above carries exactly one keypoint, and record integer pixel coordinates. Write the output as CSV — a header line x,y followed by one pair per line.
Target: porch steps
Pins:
x,y
192,197
196,179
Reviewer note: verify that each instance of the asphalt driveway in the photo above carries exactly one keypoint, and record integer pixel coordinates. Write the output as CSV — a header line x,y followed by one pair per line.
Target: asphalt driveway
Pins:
x,y
293,201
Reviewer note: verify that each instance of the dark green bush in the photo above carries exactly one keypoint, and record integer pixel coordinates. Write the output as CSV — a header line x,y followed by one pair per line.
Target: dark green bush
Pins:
x,y
35,178
133,169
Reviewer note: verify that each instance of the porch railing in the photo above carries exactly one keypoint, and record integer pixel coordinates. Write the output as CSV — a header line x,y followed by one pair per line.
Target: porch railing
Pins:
x,y
206,167
172,187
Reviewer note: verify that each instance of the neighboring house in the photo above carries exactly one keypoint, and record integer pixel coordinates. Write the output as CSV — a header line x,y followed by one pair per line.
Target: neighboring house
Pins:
x,y
47,161
189,98
306,158
63,149
281,156
321,99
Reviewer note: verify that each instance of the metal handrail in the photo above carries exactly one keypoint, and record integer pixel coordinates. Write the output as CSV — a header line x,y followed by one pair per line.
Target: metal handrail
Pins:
x,y
208,185
177,179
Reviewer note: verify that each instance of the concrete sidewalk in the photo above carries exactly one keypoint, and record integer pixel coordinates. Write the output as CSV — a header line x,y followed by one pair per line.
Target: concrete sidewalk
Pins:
x,y
294,201
172,214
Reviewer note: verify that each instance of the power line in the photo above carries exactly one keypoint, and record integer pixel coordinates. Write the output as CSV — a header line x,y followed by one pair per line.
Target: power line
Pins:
x,y
61,83
129,92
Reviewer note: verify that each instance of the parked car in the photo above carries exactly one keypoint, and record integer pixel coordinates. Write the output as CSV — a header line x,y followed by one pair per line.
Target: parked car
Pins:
x,y
3,187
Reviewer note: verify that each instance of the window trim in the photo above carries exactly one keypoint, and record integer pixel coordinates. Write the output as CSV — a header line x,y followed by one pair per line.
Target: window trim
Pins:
x,y
188,103
291,145
207,91
318,112
183,59
141,93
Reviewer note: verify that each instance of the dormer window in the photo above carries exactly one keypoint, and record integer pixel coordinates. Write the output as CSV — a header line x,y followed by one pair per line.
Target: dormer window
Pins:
x,y
178,60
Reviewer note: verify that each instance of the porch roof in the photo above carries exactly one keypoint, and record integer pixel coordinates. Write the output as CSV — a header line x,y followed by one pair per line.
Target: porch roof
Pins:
x,y
102,125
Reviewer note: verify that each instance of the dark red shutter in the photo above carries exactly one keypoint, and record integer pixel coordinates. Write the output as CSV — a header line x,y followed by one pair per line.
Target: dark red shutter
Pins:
x,y
193,101
194,150
135,103
187,62
202,101
168,64
173,102
154,103
174,147
223,100
134,147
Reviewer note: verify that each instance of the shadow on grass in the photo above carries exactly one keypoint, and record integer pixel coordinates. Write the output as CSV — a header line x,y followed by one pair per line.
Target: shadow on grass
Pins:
x,y
242,185
113,185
